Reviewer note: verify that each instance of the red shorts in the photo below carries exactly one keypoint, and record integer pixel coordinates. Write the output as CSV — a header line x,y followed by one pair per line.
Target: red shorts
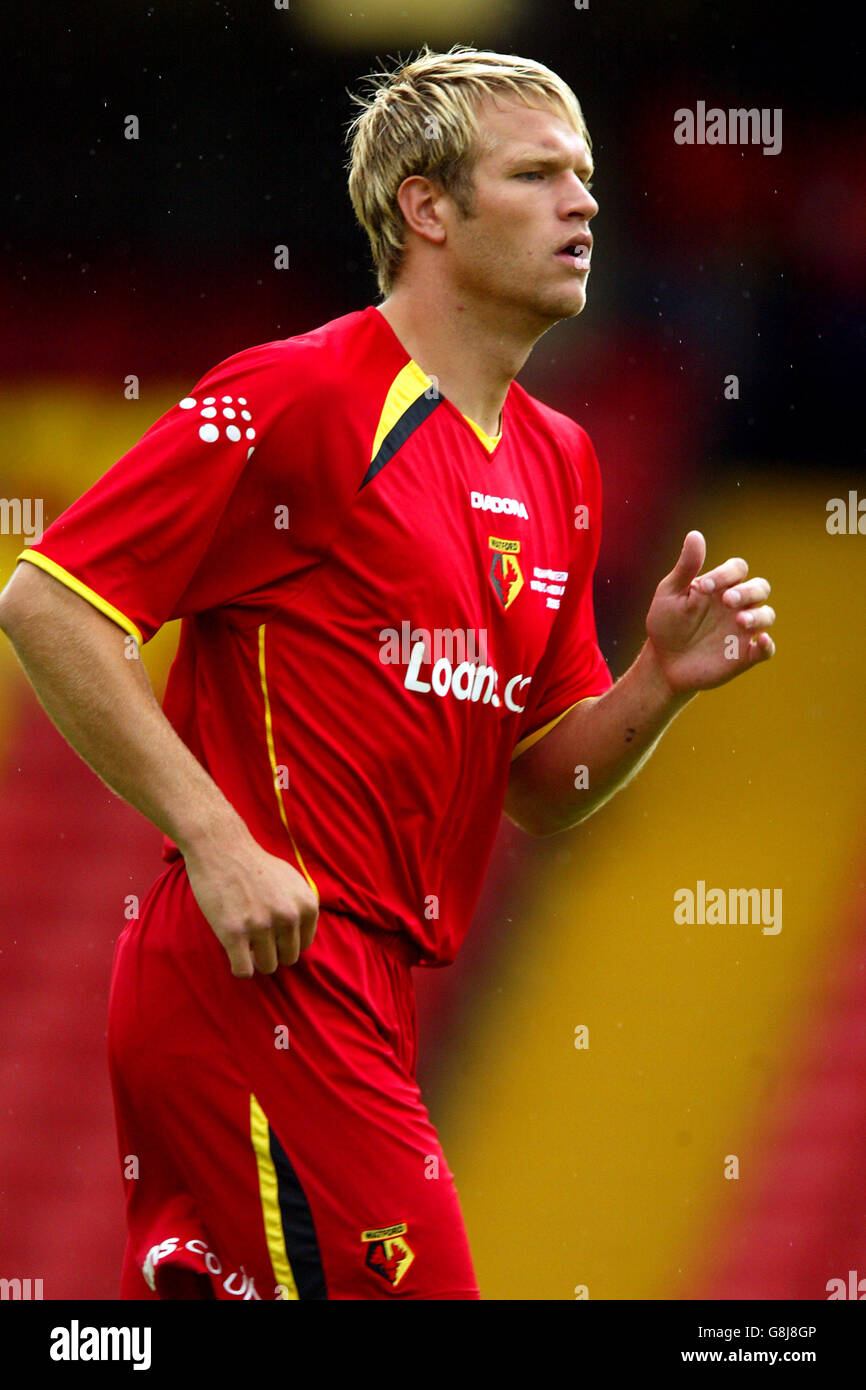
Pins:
x,y
272,1136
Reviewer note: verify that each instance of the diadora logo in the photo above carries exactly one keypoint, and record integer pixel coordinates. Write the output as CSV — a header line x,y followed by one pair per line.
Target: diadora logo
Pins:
x,y
506,575
469,680
483,502
388,1252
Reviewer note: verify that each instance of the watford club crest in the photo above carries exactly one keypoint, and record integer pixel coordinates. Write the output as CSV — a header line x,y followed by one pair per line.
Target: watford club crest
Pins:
x,y
506,575
388,1252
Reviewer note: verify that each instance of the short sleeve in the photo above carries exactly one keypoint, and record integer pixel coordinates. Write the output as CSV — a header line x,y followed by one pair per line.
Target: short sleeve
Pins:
x,y
217,499
573,667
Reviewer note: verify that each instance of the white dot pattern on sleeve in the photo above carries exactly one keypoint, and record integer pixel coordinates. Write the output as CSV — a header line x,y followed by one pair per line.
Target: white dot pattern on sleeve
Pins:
x,y
209,433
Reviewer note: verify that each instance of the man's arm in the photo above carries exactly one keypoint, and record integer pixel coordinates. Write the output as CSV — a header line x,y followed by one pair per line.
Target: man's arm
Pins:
x,y
701,632
592,752
261,909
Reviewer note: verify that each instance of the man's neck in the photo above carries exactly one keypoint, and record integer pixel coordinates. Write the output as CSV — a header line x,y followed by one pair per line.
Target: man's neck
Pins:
x,y
473,358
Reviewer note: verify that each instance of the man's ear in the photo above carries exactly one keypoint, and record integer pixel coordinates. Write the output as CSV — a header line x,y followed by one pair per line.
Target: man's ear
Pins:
x,y
419,199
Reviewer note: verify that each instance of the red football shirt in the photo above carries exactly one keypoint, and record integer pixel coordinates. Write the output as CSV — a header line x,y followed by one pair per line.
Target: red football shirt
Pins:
x,y
381,606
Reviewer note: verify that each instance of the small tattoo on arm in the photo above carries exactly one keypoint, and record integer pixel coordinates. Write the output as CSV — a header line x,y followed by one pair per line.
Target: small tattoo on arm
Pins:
x,y
629,735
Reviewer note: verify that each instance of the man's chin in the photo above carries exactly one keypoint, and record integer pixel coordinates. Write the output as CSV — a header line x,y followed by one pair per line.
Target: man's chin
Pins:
x,y
557,305
541,307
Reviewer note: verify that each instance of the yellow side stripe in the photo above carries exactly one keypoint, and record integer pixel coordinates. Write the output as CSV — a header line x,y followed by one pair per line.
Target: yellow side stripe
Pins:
x,y
268,1193
58,572
269,732
546,728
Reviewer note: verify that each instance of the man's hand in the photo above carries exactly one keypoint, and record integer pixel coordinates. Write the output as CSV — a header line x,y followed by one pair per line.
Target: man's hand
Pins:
x,y
693,619
262,911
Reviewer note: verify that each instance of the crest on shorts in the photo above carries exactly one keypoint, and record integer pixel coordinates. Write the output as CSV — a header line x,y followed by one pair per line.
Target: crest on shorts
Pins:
x,y
388,1252
506,575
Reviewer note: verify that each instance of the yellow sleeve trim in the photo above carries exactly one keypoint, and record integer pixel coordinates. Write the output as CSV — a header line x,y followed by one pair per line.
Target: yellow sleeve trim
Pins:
x,y
58,572
546,728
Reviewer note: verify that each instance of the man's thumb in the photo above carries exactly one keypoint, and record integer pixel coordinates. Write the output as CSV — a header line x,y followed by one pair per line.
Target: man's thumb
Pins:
x,y
692,557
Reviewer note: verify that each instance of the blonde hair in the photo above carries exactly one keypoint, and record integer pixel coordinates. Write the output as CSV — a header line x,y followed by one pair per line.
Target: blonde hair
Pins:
x,y
422,119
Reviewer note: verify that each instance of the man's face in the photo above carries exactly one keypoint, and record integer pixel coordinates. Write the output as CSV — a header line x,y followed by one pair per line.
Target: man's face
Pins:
x,y
531,198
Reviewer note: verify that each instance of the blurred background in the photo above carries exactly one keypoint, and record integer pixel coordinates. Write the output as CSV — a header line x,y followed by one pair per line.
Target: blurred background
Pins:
x,y
710,1140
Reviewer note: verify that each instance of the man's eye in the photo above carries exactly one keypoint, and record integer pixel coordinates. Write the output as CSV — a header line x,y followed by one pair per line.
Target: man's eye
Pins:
x,y
539,174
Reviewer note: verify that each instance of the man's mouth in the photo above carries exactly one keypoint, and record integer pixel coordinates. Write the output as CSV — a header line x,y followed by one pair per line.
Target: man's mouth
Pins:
x,y
577,256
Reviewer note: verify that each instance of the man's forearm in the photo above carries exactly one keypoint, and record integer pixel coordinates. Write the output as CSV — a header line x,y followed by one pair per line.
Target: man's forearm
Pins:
x,y
104,706
594,751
